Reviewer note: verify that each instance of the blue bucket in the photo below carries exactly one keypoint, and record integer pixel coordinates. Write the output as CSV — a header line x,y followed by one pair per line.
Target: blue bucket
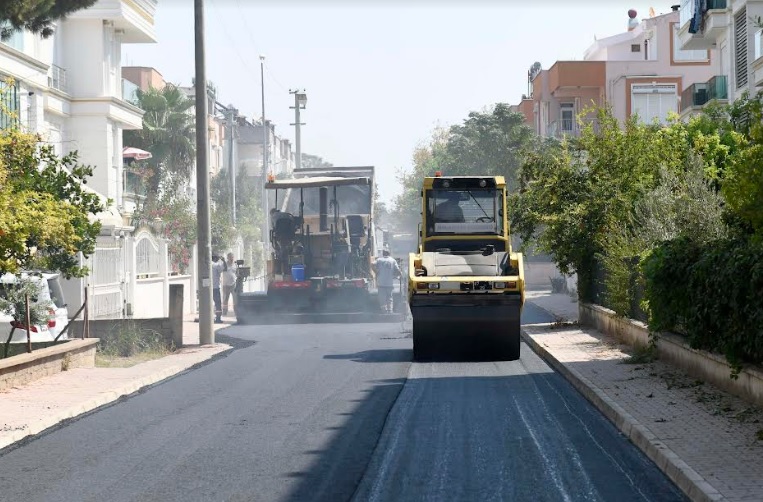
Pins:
x,y
298,273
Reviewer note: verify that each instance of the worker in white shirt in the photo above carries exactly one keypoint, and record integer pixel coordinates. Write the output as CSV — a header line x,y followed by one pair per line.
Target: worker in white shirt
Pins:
x,y
229,283
386,269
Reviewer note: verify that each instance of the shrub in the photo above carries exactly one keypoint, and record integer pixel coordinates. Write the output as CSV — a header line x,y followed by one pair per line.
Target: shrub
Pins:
x,y
709,292
679,205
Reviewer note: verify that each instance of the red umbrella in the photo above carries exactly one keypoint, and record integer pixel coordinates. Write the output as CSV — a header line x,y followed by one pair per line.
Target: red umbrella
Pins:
x,y
130,152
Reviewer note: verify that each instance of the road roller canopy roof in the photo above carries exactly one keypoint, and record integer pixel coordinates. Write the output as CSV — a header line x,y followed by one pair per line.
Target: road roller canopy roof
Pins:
x,y
317,181
463,182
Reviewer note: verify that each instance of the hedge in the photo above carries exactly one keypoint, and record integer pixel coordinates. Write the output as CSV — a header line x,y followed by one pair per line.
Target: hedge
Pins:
x,y
710,292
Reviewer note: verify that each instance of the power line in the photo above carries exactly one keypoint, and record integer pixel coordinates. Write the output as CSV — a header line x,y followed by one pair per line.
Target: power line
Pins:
x,y
243,60
274,79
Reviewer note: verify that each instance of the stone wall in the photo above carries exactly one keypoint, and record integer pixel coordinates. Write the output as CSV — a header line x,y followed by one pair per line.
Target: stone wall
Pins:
x,y
25,368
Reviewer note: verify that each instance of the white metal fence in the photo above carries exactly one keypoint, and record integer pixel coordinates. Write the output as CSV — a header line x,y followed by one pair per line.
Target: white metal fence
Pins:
x,y
147,258
107,281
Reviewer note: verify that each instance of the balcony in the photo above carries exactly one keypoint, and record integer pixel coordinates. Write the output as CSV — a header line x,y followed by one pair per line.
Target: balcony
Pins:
x,y
134,17
562,128
696,96
575,75
716,20
130,92
57,78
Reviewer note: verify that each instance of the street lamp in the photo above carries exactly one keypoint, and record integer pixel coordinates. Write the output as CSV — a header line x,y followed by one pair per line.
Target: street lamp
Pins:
x,y
300,100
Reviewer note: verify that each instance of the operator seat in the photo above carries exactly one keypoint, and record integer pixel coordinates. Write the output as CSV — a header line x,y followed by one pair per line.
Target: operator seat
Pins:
x,y
284,228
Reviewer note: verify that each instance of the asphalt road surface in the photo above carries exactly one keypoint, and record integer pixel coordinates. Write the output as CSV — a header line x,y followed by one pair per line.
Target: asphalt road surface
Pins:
x,y
334,413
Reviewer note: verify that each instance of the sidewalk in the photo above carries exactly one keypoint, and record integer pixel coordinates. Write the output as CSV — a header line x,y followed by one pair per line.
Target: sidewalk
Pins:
x,y
32,408
709,442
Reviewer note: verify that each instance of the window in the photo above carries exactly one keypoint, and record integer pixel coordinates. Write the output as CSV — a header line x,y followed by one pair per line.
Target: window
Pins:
x,y
474,211
635,48
684,56
568,117
16,40
9,104
740,47
653,102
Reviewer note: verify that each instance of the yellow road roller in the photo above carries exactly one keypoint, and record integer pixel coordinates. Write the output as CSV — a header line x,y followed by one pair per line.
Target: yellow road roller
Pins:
x,y
466,286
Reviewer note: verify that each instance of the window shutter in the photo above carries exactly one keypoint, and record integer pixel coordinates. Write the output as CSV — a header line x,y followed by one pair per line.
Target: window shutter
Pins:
x,y
740,47
652,101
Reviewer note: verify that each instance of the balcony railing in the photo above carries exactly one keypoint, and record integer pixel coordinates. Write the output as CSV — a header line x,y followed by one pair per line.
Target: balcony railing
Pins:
x,y
130,92
562,127
698,95
57,78
688,9
567,126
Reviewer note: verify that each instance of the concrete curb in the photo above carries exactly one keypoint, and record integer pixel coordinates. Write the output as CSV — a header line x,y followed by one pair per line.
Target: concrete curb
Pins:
x,y
551,313
686,478
102,399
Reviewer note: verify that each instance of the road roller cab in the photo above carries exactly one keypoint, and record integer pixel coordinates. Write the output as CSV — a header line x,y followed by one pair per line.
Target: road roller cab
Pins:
x,y
466,286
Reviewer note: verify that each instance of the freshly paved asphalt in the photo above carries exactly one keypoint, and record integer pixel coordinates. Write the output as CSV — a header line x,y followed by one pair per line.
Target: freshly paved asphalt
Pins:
x,y
339,412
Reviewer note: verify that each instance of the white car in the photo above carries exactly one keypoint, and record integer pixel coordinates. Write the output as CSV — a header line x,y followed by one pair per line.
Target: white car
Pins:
x,y
50,293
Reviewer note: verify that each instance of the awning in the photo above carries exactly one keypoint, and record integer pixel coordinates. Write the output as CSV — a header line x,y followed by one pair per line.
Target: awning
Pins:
x,y
318,181
130,152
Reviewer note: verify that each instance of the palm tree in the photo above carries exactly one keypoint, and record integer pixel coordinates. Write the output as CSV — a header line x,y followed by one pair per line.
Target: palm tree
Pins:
x,y
169,134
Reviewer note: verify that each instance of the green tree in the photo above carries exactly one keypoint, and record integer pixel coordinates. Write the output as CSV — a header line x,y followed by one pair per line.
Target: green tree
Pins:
x,y
46,213
427,158
742,186
223,232
577,198
169,134
249,218
177,213
314,161
36,16
491,142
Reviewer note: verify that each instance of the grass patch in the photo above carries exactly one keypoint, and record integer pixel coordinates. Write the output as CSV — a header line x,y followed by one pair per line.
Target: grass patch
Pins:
x,y
107,361
128,344
562,322
642,355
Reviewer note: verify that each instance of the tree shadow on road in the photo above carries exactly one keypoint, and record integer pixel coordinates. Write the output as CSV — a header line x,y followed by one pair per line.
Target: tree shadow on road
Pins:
x,y
338,468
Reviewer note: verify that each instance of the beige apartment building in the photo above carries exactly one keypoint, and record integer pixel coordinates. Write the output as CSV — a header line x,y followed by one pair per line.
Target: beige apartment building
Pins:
x,y
644,71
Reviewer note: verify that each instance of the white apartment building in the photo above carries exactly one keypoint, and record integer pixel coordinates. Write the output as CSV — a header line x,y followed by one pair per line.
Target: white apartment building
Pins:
x,y
248,158
730,27
69,89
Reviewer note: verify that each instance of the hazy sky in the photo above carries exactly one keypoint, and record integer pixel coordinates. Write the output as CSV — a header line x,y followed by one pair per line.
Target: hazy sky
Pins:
x,y
379,76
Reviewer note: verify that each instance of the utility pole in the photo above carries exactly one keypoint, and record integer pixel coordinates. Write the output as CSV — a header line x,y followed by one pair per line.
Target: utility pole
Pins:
x,y
206,333
300,100
265,148
231,119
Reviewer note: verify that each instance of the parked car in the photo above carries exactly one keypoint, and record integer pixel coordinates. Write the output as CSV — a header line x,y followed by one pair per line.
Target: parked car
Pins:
x,y
50,293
